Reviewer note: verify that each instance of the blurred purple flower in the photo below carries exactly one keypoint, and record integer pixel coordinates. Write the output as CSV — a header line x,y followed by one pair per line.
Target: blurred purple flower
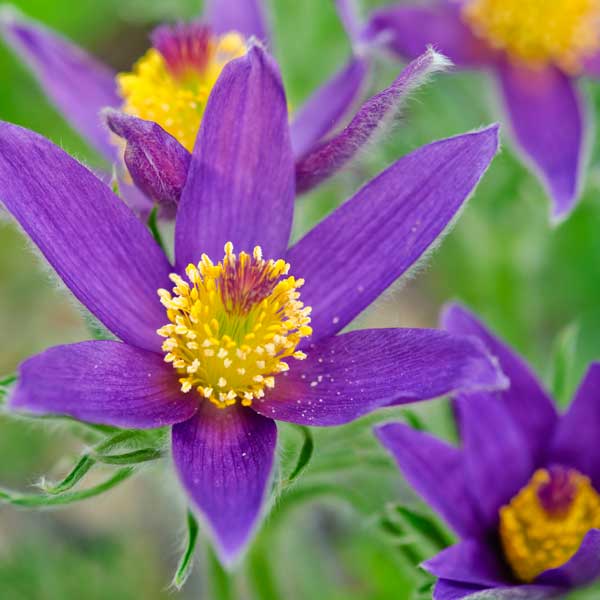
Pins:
x,y
523,490
239,350
159,164
535,50
194,54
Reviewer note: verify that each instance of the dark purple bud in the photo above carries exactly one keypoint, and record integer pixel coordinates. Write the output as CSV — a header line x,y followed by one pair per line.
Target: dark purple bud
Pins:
x,y
328,157
157,162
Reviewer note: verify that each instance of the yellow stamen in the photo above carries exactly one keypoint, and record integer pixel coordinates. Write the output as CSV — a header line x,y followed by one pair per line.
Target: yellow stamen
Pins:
x,y
544,524
246,320
176,99
538,32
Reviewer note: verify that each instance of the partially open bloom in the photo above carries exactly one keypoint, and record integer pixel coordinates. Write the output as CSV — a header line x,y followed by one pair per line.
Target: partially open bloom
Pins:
x,y
171,83
536,50
169,87
523,490
240,330
159,164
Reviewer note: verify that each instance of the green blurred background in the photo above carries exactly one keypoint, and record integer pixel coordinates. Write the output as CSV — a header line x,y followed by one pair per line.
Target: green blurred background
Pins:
x,y
324,539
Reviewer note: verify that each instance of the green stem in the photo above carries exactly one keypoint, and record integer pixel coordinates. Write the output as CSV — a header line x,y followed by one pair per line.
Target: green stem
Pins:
x,y
260,575
42,500
221,581
154,230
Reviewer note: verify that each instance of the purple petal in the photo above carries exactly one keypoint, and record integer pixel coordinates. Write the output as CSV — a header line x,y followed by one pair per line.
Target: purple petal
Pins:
x,y
409,30
578,431
157,162
496,454
349,375
224,459
244,16
240,186
531,407
79,85
330,156
103,382
98,247
470,561
436,471
327,106
547,119
347,11
582,569
453,590
353,255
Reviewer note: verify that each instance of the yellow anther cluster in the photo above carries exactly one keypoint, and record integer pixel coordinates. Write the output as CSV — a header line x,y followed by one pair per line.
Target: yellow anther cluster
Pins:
x,y
176,101
535,538
233,325
538,32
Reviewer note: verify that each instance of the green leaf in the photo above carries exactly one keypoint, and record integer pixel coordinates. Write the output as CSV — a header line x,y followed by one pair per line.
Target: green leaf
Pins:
x,y
129,458
305,455
565,347
44,500
101,453
153,226
187,559
411,553
426,526
123,439
83,466
414,420
8,380
391,528
425,590
5,384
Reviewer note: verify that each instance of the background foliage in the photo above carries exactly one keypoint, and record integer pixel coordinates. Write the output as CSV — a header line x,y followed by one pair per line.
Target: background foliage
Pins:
x,y
335,533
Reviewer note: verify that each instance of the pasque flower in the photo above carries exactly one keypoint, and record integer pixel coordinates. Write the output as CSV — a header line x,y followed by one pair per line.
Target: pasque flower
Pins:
x,y
240,330
159,164
169,87
536,50
523,490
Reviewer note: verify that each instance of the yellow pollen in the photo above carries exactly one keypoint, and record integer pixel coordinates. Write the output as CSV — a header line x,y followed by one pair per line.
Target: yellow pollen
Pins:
x,y
176,100
246,320
540,533
538,32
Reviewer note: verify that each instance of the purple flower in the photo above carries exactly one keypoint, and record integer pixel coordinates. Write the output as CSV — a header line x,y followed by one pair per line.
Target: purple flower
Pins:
x,y
167,91
535,50
159,164
242,340
523,490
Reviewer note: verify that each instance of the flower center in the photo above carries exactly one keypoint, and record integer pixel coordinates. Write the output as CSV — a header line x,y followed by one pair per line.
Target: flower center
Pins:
x,y
544,524
171,83
233,326
538,32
